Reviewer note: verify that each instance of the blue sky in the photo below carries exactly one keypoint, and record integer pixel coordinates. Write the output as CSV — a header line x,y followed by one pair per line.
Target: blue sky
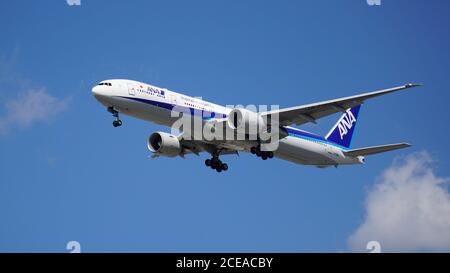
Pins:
x,y
67,174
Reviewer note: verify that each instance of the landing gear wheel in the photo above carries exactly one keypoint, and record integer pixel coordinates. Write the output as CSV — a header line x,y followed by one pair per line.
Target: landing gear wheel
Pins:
x,y
117,123
225,166
219,165
216,164
263,154
208,162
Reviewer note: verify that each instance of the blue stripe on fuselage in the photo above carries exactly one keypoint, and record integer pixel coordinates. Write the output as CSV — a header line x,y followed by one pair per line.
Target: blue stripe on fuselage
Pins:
x,y
206,115
164,105
294,132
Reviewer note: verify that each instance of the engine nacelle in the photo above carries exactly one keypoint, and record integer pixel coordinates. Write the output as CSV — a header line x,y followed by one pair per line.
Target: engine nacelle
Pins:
x,y
164,144
241,118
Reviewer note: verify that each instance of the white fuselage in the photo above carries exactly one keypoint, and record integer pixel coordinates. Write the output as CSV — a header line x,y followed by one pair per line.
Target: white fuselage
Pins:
x,y
154,104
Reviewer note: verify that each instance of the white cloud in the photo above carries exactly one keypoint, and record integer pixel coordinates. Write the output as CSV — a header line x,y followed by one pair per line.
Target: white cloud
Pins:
x,y
73,2
34,105
407,210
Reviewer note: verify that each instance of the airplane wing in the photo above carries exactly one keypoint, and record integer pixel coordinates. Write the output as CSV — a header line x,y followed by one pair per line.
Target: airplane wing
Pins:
x,y
198,146
376,149
311,112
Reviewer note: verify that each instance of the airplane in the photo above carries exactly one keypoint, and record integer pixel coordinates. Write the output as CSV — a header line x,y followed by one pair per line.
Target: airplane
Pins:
x,y
155,104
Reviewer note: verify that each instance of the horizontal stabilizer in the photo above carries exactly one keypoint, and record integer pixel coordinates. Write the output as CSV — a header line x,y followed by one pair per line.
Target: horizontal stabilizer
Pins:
x,y
376,149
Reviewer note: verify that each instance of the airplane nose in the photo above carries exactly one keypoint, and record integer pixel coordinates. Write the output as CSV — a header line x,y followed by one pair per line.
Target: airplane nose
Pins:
x,y
96,90
100,91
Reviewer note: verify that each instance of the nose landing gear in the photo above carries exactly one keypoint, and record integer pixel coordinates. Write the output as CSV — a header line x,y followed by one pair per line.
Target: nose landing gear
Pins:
x,y
216,164
263,154
117,122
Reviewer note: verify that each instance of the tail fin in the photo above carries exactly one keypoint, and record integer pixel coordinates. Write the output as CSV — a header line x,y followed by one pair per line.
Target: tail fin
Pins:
x,y
342,131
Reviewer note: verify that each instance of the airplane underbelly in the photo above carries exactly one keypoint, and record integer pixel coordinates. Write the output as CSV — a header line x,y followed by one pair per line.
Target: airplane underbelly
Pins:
x,y
302,151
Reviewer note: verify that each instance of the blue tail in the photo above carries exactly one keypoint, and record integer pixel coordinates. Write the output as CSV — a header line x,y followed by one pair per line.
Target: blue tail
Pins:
x,y
342,131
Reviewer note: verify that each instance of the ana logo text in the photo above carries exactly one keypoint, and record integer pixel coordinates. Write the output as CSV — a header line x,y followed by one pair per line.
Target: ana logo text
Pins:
x,y
346,123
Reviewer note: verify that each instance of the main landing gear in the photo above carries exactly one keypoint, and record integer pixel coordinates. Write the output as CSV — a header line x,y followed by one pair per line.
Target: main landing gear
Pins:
x,y
263,154
117,122
216,164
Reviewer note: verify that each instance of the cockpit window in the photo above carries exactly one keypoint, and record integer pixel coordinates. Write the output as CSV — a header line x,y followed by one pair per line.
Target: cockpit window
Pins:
x,y
105,83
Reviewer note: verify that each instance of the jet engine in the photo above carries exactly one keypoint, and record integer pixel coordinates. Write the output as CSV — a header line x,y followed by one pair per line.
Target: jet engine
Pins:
x,y
164,144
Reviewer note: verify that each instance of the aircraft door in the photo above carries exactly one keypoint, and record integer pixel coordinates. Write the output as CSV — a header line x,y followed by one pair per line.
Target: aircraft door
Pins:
x,y
331,152
173,98
131,89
